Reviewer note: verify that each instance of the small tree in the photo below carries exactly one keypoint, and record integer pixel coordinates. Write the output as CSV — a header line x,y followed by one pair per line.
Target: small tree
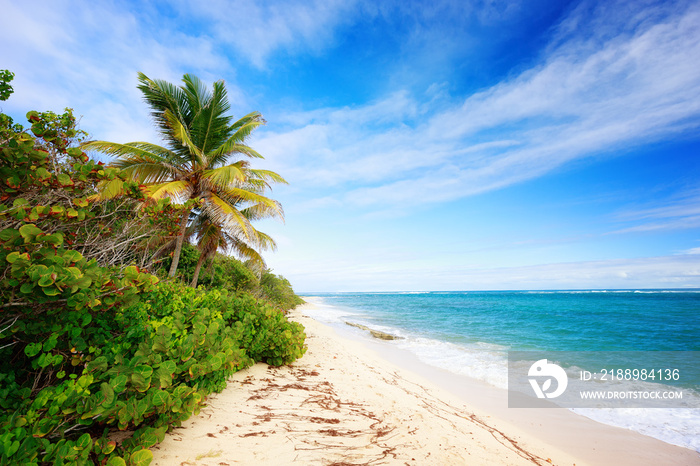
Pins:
x,y
196,164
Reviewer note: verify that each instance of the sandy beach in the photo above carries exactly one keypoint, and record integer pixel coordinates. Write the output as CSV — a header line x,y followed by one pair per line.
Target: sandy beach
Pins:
x,y
349,403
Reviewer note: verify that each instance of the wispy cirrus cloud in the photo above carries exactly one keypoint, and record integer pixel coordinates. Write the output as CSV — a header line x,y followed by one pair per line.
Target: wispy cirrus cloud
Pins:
x,y
258,29
677,212
610,83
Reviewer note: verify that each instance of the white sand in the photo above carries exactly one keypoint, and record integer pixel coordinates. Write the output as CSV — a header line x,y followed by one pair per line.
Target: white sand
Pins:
x,y
342,404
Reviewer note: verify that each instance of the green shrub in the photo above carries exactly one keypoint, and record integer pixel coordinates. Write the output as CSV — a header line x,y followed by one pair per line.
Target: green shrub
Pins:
x,y
277,290
145,368
229,273
267,334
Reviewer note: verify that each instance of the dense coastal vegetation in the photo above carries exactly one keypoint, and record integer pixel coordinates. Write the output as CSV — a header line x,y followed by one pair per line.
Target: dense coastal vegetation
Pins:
x,y
99,331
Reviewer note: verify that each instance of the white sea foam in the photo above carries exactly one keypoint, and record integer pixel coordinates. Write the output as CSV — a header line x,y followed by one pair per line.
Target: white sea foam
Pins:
x,y
675,426
480,361
327,313
691,290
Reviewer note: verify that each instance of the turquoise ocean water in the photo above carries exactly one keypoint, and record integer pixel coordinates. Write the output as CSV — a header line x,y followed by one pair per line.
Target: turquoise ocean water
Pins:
x,y
470,333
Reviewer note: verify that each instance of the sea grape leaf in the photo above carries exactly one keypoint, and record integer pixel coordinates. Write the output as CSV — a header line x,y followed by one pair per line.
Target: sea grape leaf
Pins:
x,y
107,392
51,291
32,349
84,441
29,232
109,448
98,364
159,397
144,370
64,180
9,234
116,461
141,457
56,239
140,382
27,288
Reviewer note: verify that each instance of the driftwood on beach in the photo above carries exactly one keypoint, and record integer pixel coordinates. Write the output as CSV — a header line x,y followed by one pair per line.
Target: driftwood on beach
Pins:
x,y
375,333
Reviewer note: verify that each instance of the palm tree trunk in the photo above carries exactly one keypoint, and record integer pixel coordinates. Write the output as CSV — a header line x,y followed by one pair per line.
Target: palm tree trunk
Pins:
x,y
210,268
195,277
178,245
156,255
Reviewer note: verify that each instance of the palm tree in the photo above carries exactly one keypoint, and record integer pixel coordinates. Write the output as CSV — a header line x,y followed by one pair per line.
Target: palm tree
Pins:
x,y
212,238
201,139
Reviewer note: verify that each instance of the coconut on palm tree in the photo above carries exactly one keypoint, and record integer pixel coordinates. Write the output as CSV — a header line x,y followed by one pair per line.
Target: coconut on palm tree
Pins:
x,y
205,157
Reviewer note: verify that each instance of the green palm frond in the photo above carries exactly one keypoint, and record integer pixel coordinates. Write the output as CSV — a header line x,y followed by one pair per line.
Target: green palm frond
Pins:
x,y
141,162
161,95
265,241
237,196
181,135
222,153
263,211
144,172
195,91
233,144
210,126
180,189
252,116
164,153
227,215
210,235
211,238
256,185
267,175
142,149
245,252
242,132
177,161
225,177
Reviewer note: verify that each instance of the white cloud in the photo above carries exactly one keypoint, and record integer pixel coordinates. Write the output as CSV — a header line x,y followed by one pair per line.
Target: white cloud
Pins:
x,y
333,146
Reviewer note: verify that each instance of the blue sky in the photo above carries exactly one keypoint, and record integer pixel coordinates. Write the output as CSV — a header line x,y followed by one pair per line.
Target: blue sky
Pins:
x,y
437,145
